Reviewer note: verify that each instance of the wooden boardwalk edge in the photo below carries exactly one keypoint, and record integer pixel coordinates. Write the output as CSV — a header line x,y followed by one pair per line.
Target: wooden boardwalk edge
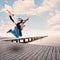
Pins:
x,y
26,40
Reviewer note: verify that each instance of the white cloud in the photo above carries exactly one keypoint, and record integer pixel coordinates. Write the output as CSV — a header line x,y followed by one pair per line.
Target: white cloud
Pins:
x,y
55,19
5,26
50,3
57,27
54,22
28,7
23,7
6,7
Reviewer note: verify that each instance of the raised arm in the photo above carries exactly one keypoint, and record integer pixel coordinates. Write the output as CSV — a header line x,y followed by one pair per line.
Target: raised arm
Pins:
x,y
10,16
11,19
10,13
26,20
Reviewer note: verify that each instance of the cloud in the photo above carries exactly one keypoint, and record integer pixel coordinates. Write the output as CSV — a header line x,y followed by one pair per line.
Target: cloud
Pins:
x,y
55,19
5,26
54,22
28,7
57,27
6,7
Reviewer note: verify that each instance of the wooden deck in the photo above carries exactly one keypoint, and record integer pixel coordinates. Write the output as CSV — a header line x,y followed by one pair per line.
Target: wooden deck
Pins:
x,y
22,51
24,40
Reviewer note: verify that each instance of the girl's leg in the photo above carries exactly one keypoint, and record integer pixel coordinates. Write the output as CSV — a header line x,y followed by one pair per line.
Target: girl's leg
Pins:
x,y
15,32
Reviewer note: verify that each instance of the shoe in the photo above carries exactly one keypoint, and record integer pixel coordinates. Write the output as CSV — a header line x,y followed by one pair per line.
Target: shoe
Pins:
x,y
9,30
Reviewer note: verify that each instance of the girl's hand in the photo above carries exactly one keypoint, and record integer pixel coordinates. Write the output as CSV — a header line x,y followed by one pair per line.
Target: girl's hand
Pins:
x,y
10,13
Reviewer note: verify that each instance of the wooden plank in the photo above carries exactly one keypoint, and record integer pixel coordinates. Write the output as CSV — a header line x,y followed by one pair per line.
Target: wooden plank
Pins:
x,y
49,56
8,52
14,51
53,54
45,54
11,53
32,54
40,55
28,53
57,53
35,54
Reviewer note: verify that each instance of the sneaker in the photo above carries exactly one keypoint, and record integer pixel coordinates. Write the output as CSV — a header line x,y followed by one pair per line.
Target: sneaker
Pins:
x,y
9,30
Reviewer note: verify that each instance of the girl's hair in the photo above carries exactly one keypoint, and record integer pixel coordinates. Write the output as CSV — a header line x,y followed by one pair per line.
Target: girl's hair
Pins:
x,y
20,20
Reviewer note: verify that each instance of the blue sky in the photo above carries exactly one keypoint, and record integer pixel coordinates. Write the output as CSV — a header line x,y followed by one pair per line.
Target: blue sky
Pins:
x,y
44,14
38,3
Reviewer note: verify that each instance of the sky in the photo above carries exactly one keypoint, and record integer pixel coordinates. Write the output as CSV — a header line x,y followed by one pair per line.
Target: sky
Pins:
x,y
44,16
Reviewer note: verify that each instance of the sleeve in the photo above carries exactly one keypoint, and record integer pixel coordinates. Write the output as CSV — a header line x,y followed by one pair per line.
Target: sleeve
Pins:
x,y
25,20
11,18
